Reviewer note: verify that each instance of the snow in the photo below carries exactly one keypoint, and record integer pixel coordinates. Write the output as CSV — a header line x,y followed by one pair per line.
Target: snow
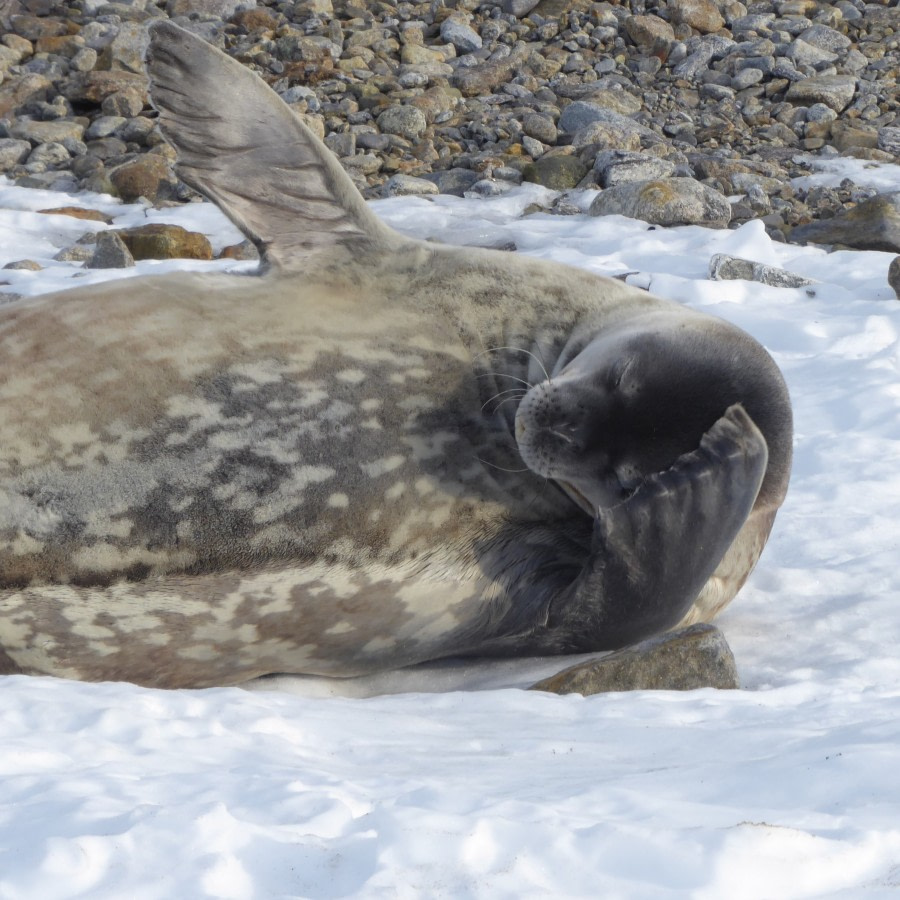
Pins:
x,y
463,784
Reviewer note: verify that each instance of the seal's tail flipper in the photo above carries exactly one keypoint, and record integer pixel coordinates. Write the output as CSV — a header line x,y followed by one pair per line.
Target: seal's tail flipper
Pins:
x,y
654,552
242,146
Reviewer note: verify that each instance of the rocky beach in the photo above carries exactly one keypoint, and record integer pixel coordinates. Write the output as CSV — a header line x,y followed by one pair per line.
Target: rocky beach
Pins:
x,y
679,111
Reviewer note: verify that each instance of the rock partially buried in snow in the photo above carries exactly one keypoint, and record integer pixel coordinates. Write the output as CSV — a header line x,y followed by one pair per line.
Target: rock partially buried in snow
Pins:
x,y
873,225
111,253
665,201
408,186
166,242
894,275
723,267
694,657
78,212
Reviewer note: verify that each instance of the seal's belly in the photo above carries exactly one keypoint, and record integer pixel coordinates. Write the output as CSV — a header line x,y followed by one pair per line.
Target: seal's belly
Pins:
x,y
228,627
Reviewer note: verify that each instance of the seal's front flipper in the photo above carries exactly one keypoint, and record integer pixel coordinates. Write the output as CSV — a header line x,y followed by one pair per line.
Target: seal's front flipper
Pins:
x,y
653,553
242,146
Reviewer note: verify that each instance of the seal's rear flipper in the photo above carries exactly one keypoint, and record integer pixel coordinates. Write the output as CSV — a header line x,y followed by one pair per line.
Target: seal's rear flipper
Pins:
x,y
242,146
653,553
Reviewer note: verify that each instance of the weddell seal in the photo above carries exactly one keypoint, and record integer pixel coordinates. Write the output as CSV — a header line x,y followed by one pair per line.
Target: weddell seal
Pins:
x,y
377,452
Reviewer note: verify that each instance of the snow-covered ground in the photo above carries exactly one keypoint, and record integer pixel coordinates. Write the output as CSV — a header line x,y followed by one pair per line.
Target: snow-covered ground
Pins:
x,y
788,788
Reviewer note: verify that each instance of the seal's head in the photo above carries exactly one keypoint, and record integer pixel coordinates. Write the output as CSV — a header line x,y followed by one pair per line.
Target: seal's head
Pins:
x,y
627,402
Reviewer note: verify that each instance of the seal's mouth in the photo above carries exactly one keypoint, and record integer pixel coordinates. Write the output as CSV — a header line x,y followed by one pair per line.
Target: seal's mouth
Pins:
x,y
577,497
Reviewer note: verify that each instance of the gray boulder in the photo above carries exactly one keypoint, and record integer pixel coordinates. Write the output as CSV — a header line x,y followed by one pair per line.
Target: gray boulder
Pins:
x,y
694,657
665,201
723,267
894,275
872,225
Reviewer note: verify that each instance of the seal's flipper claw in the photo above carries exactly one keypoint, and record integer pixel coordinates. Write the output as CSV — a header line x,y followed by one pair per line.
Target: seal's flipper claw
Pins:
x,y
242,146
653,553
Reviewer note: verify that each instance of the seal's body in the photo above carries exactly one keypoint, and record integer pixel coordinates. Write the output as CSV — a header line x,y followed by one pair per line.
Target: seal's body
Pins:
x,y
328,469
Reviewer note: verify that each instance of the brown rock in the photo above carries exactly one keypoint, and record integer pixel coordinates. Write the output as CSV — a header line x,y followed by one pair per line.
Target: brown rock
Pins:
x,y
482,79
646,30
147,176
255,19
34,27
245,250
96,85
22,89
77,212
695,657
701,15
165,242
62,45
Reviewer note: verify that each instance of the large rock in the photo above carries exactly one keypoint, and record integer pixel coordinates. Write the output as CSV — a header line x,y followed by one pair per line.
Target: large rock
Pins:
x,y
723,267
22,89
665,201
646,30
408,186
478,80
405,121
148,176
582,113
695,657
701,15
460,34
614,167
559,173
872,225
221,9
110,253
889,139
519,8
455,181
835,91
165,242
96,85
894,275
58,130
12,152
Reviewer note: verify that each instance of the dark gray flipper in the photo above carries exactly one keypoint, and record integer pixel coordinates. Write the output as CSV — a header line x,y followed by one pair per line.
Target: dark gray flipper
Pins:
x,y
653,553
242,146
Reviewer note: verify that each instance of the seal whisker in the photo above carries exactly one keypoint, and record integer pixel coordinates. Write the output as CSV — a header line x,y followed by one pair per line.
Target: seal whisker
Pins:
x,y
517,350
505,401
517,392
504,375
501,468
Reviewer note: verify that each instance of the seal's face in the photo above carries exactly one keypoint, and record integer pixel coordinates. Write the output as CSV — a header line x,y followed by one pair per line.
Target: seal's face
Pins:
x,y
622,409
